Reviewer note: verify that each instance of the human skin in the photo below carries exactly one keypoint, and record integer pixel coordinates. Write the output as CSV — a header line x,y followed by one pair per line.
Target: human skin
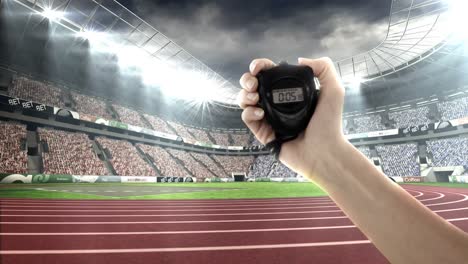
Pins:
x,y
402,228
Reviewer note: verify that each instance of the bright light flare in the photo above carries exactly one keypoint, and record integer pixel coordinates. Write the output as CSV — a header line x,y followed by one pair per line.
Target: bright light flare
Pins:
x,y
193,85
52,15
354,83
458,17
92,35
186,84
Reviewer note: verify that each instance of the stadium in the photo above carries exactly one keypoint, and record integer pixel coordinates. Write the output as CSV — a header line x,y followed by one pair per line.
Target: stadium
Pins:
x,y
118,145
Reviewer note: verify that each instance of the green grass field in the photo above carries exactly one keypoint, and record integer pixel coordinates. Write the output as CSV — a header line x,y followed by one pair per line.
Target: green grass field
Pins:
x,y
239,190
443,184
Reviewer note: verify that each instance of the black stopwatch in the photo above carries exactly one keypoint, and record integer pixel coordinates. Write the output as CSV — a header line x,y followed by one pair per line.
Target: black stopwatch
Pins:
x,y
288,95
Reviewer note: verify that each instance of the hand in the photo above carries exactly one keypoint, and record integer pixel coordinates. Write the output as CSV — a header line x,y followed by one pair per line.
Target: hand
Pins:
x,y
321,140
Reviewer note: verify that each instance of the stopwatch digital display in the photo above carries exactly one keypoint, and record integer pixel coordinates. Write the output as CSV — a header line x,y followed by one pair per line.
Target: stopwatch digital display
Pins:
x,y
289,96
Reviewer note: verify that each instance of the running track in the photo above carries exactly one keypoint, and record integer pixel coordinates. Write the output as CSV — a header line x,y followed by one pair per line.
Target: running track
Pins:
x,y
292,230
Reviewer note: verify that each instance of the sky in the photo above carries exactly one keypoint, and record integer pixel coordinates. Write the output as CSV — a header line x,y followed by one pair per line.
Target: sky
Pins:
x,y
228,34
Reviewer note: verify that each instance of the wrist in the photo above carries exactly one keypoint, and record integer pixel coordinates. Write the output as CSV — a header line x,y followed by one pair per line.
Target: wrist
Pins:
x,y
328,164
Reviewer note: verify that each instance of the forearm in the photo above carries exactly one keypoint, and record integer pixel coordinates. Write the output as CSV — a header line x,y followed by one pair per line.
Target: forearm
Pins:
x,y
394,221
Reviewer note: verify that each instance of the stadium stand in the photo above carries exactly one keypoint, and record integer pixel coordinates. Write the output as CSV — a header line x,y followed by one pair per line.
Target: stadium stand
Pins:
x,y
454,109
181,131
158,124
255,142
365,150
37,92
449,152
200,135
13,159
240,139
90,106
125,158
411,117
196,168
399,160
221,138
234,163
344,125
261,167
69,153
163,161
281,171
130,116
368,123
208,162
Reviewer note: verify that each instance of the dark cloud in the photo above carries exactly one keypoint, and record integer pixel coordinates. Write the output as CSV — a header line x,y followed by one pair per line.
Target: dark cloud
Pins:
x,y
228,34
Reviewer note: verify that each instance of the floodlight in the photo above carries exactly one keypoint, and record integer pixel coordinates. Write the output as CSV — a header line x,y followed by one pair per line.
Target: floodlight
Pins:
x,y
181,83
354,83
52,14
458,17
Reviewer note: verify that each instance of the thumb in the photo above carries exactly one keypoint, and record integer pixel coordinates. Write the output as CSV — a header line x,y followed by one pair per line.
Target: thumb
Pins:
x,y
325,71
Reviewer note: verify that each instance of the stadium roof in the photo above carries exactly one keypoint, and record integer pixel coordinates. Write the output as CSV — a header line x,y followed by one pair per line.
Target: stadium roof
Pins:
x,y
88,18
417,28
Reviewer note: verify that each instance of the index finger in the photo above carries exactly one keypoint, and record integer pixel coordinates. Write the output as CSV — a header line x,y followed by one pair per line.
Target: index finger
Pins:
x,y
258,65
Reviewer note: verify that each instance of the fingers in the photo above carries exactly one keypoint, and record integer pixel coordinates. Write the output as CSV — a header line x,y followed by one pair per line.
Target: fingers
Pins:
x,y
249,82
260,64
253,119
252,114
246,99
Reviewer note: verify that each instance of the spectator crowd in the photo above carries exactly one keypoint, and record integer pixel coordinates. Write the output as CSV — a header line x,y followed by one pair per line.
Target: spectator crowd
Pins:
x,y
69,153
411,117
399,160
368,123
36,91
90,106
196,168
13,158
261,167
449,152
125,158
130,116
163,161
453,109
234,164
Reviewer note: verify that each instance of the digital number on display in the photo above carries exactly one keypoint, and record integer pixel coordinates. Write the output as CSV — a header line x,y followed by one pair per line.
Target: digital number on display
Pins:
x,y
290,95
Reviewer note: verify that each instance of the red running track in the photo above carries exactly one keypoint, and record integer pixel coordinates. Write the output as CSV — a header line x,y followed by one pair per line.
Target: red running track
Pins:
x,y
289,230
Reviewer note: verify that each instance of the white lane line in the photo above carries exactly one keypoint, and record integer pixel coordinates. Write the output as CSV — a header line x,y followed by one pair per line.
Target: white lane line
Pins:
x,y
458,219
77,191
110,191
419,194
450,210
440,196
181,249
465,198
196,231
182,232
162,210
174,222
172,215
152,206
